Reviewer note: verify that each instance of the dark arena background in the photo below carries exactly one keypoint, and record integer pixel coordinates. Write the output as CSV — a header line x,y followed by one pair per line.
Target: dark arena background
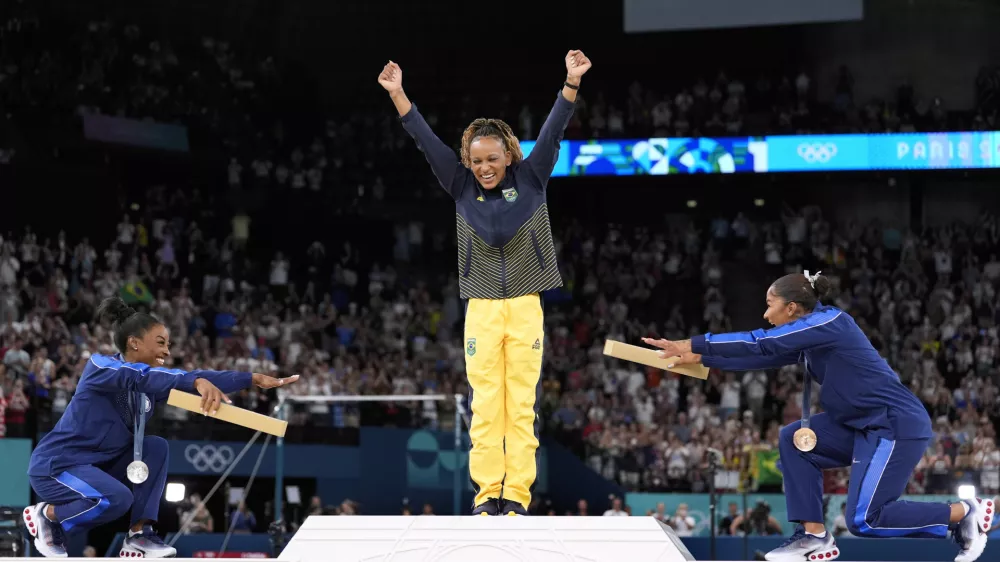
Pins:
x,y
235,168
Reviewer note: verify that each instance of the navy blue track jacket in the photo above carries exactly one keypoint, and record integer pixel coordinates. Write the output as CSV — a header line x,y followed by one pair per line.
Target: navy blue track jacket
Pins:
x,y
96,427
505,245
860,390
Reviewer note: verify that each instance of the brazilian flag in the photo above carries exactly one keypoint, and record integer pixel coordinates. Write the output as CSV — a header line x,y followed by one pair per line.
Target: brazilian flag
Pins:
x,y
136,292
765,468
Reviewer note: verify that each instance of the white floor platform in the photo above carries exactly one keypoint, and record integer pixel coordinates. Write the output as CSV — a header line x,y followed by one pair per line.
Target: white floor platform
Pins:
x,y
483,539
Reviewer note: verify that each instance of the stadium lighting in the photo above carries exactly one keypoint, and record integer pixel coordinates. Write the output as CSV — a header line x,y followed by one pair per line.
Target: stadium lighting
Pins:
x,y
692,203
966,492
175,492
758,202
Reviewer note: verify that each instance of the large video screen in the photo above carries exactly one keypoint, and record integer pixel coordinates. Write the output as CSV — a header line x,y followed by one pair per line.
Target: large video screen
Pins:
x,y
799,153
670,15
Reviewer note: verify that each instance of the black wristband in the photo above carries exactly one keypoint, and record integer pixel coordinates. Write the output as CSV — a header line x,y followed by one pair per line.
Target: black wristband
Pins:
x,y
571,86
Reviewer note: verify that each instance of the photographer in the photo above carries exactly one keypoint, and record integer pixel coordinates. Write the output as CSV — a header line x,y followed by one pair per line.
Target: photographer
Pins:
x,y
758,521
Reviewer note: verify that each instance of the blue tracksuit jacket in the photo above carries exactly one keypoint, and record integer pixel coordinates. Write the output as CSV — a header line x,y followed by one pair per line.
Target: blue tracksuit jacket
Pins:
x,y
505,244
96,427
860,390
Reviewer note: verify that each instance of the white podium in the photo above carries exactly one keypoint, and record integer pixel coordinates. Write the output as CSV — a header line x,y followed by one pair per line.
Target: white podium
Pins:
x,y
483,539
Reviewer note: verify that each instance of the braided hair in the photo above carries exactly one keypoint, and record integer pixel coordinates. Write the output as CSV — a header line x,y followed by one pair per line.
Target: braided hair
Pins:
x,y
493,128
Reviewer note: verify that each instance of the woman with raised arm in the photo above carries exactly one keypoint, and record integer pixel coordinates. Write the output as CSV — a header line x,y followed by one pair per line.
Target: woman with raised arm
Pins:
x,y
506,258
870,422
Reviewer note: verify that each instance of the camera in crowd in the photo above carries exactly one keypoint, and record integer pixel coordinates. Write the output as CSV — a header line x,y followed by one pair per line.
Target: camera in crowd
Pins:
x,y
760,513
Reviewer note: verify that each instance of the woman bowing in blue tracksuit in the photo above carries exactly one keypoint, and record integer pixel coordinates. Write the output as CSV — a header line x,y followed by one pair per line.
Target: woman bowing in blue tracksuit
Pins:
x,y
77,469
872,423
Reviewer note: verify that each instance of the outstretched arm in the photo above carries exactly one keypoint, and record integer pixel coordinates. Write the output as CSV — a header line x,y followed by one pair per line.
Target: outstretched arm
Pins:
x,y
816,330
723,363
543,156
749,363
443,160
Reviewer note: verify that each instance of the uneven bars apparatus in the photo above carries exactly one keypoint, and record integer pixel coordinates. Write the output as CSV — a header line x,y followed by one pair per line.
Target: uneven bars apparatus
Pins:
x,y
461,420
278,426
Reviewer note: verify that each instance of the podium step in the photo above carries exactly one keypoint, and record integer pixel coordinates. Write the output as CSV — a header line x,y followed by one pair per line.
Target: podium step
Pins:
x,y
484,539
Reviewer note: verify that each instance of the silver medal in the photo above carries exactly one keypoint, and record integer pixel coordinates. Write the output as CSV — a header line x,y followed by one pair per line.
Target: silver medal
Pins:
x,y
137,472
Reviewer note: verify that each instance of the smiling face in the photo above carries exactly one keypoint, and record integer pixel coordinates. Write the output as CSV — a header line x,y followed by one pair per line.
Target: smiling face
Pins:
x,y
489,161
153,348
779,311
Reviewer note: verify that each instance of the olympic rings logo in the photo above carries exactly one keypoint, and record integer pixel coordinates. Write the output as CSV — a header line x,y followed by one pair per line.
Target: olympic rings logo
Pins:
x,y
209,458
817,152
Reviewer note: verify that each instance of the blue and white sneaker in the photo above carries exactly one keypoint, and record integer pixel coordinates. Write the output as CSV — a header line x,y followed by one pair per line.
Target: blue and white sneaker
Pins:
x,y
972,532
146,544
49,537
803,547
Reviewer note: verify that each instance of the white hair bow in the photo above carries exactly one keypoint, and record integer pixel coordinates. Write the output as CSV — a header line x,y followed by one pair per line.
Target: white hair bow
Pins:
x,y
811,278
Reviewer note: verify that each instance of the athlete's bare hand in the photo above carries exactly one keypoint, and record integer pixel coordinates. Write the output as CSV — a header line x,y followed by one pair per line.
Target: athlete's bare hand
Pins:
x,y
684,359
211,397
670,348
577,64
391,78
267,381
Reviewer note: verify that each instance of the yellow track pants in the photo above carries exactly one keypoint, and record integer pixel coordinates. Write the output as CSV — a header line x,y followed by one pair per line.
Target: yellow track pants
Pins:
x,y
503,360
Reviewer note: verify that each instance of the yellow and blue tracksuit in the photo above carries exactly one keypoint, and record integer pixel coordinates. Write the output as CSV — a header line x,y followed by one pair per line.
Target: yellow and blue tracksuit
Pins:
x,y
79,466
506,258
871,422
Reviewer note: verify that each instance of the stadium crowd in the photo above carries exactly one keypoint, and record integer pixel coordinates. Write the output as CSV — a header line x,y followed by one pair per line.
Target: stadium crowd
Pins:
x,y
354,319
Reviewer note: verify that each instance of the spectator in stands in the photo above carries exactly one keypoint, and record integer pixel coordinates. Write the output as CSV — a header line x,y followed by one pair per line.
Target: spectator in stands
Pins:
x,y
200,519
616,509
726,523
244,521
682,522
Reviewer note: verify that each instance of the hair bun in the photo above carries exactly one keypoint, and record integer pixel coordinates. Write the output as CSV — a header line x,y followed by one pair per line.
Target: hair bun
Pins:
x,y
114,310
822,286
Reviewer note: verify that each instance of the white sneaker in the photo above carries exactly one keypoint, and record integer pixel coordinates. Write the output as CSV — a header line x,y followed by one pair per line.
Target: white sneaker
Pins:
x,y
49,537
802,547
146,544
973,530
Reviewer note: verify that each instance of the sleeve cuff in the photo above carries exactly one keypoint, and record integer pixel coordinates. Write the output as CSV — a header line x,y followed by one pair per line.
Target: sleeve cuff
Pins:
x,y
561,100
710,361
410,115
244,379
186,382
698,346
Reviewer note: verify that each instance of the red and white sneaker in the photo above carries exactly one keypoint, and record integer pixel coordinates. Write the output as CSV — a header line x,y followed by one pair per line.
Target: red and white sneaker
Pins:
x,y
974,528
49,537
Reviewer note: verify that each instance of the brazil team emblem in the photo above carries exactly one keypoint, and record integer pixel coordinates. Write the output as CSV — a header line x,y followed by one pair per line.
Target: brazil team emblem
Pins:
x,y
510,195
470,347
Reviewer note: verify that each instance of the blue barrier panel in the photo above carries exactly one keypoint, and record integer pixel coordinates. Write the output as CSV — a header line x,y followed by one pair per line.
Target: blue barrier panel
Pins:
x,y
307,461
14,456
698,507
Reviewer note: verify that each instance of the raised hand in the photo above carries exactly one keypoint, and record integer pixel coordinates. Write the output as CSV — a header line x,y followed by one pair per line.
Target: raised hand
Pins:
x,y
670,348
391,78
577,64
266,381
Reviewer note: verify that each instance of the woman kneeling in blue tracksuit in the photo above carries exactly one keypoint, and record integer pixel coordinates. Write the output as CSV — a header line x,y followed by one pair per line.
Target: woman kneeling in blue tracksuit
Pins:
x,y
872,423
77,470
